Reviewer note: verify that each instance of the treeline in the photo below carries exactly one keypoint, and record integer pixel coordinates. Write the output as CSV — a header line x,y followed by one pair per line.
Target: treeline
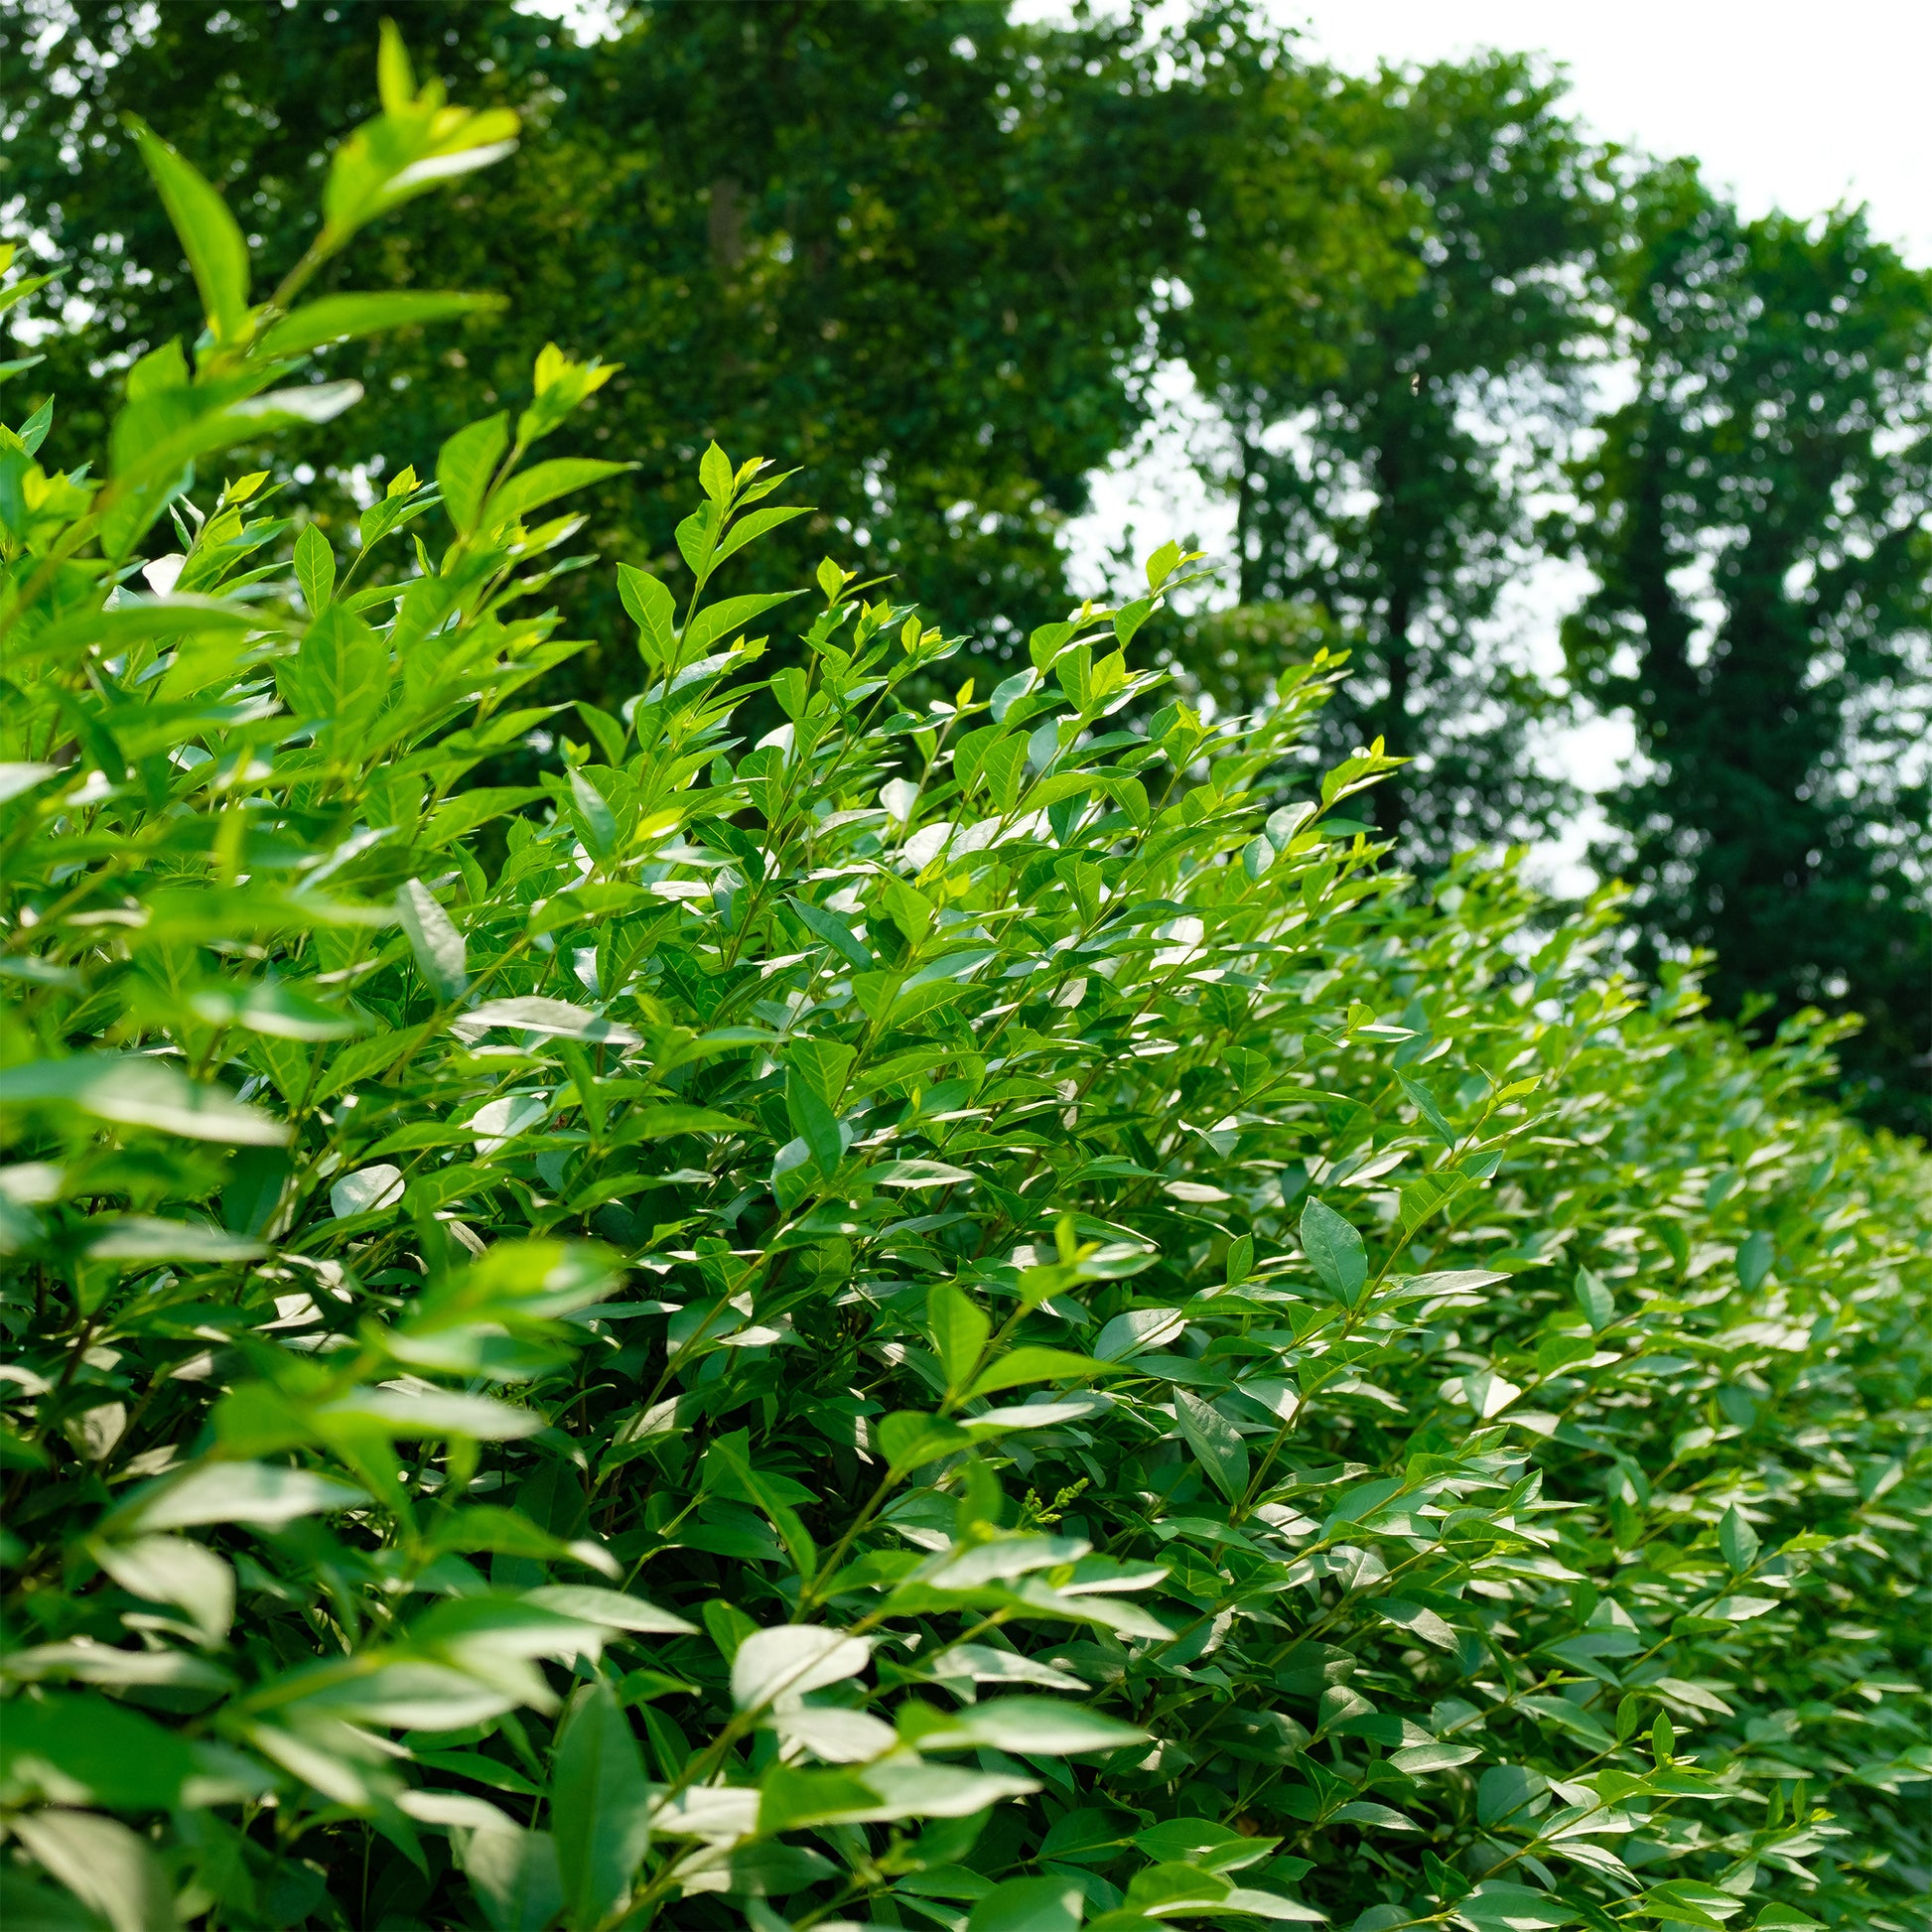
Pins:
x,y
931,257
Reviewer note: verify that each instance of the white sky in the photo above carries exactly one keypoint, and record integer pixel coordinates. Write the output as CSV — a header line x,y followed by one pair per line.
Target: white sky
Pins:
x,y
1788,104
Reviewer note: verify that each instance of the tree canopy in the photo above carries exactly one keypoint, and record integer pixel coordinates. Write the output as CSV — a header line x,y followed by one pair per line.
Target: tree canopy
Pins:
x,y
1757,520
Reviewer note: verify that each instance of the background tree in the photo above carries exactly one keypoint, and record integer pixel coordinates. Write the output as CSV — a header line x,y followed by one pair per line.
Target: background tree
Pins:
x,y
906,245
929,256
1387,449
1757,516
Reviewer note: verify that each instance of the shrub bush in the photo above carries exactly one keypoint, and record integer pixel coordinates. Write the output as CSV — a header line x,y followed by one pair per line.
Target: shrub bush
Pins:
x,y
969,1316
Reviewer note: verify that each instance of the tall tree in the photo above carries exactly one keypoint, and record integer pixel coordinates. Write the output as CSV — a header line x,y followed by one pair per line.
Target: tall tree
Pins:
x,y
1389,446
1758,517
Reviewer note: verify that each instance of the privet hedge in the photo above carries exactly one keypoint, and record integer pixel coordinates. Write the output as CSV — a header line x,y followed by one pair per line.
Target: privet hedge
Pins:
x,y
966,1315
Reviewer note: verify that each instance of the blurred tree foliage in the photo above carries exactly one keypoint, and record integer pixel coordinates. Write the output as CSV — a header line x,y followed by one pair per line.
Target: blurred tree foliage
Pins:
x,y
933,257
1386,455
1758,520
906,245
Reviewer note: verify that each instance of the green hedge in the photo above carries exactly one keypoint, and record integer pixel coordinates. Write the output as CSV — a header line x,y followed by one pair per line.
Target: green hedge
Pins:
x,y
968,1315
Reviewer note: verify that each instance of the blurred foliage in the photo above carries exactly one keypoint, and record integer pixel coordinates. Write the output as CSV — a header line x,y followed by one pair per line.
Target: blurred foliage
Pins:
x,y
935,259
1389,449
1758,517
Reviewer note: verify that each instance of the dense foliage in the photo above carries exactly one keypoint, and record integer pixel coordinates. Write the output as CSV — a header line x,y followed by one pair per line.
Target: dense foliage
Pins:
x,y
971,1315
937,255
1760,518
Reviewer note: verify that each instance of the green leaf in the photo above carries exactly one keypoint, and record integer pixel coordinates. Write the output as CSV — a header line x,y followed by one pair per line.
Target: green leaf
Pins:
x,y
229,1493
214,243
1754,1260
143,1238
959,1332
599,1806
1334,1251
1685,1902
748,529
515,1873
1594,1298
338,674
721,620
1029,1905
104,1864
273,1008
1044,1726
1499,1906
830,927
465,465
1429,1108
434,939
315,569
136,1092
335,318
1032,1364
815,1124
616,1608
1217,1443
1737,1540
715,474
82,1748
792,1659
908,1442
594,816
174,1569
653,611
917,1174
1505,1791
550,1018
543,483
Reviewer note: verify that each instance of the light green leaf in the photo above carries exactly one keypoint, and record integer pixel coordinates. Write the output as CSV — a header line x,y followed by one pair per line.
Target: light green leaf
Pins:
x,y
792,1659
142,1238
213,241
433,1411
553,1019
616,1608
174,1570
545,481
231,1492
333,318
1042,1726
134,1091
434,939
599,1806
315,569
103,1863
652,610
465,465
